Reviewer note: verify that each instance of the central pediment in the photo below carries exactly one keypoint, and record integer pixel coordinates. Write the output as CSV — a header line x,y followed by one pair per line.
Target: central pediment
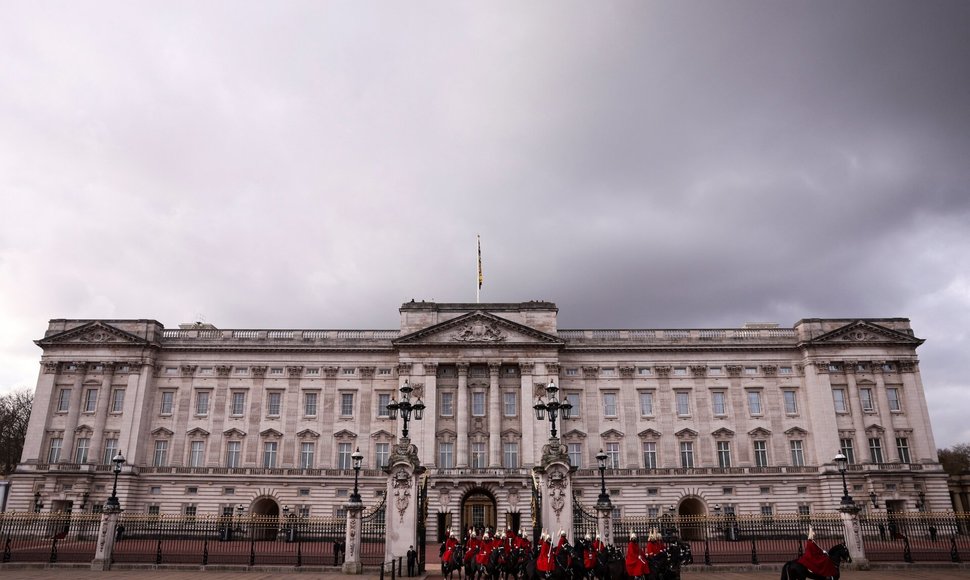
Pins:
x,y
478,328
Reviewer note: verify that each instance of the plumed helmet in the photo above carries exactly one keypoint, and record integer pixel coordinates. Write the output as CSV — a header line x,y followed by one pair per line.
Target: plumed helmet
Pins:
x,y
473,534
633,535
562,532
454,535
521,532
485,537
598,537
588,537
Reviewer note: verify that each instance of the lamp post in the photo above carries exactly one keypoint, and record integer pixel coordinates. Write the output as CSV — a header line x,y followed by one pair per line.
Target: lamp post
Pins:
x,y
356,457
841,462
603,502
872,498
921,503
553,406
113,504
38,503
406,407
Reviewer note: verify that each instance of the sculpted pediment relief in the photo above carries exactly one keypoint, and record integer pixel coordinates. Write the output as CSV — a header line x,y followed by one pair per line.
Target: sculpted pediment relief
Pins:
x,y
479,328
862,332
93,334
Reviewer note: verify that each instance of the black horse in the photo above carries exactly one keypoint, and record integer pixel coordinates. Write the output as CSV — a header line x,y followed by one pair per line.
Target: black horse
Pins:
x,y
455,562
666,565
794,571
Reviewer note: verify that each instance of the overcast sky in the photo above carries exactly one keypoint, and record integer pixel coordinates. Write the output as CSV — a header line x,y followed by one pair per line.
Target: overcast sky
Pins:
x,y
641,164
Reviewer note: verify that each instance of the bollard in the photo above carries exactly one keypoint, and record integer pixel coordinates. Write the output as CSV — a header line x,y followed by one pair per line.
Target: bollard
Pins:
x,y
382,570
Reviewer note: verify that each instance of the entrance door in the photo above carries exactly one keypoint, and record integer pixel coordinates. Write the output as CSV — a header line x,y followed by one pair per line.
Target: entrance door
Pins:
x,y
478,511
444,524
266,514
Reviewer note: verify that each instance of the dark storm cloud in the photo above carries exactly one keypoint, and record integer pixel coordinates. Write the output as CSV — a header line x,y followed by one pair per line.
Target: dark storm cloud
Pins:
x,y
663,164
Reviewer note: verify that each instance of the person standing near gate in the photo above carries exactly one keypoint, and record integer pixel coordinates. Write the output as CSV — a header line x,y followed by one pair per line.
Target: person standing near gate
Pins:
x,y
412,560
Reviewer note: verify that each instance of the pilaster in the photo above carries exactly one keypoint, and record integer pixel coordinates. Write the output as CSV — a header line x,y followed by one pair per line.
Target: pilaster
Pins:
x,y
494,417
40,414
461,414
104,401
429,425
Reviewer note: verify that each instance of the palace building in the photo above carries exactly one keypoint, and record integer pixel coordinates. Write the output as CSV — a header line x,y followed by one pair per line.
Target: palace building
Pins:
x,y
745,420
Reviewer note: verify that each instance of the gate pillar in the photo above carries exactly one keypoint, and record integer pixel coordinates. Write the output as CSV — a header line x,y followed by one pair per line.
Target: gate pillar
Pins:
x,y
106,539
555,484
853,536
404,469
604,523
352,561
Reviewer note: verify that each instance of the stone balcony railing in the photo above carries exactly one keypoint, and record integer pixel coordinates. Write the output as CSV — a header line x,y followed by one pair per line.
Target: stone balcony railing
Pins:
x,y
683,336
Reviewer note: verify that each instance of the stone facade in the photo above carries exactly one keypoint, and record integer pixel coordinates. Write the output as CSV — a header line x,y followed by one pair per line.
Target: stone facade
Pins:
x,y
747,418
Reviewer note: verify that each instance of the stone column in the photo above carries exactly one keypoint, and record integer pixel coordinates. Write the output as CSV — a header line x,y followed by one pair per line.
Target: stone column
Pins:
x,y
494,417
429,425
73,413
461,414
104,402
526,416
44,399
352,563
106,539
401,518
555,484
853,537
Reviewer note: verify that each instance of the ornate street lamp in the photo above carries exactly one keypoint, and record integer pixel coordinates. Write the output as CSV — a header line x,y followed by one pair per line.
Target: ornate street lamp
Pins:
x,y
872,498
357,457
553,406
113,504
38,504
406,408
921,503
842,462
603,502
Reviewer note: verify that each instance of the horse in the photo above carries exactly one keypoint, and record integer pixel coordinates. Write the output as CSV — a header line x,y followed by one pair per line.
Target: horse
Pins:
x,y
666,565
504,562
454,562
793,570
610,564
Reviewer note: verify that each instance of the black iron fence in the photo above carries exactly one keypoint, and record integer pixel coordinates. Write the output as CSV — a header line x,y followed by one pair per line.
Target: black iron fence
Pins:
x,y
916,536
585,520
51,537
372,535
737,539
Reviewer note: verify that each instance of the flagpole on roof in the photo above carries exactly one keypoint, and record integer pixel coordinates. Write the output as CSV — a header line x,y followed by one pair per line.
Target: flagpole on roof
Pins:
x,y
478,288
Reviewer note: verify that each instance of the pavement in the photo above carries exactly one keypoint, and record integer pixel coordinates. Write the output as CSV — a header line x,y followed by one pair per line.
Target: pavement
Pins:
x,y
63,573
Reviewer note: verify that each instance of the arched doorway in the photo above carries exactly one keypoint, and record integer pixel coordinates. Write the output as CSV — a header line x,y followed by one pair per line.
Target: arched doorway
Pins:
x,y
266,518
691,510
478,511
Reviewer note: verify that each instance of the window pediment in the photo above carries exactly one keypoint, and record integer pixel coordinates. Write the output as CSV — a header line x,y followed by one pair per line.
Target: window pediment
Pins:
x,y
344,434
611,434
723,432
686,434
649,434
796,432
759,432
163,432
270,433
574,434
198,432
233,433
308,434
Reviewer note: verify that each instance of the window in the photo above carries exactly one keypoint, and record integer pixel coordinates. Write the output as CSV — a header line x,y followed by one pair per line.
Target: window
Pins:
x,y
382,453
110,450
343,456
446,455
718,403
767,511
750,370
269,453
687,454
304,511
650,454
575,451
754,402
346,404
90,400
190,510
761,453
902,447
683,404
609,404
644,371
478,459
892,395
160,457
797,453
54,455
510,454
383,400
510,404
866,396
307,452
646,404
572,372
784,370
168,400
384,371
274,404
63,400
310,404
238,404
153,510
791,402
117,400
202,403
574,400
447,404
609,372
233,449
845,446
313,371
81,450
197,454
276,370
724,454
875,449
838,397
349,371
478,404
613,455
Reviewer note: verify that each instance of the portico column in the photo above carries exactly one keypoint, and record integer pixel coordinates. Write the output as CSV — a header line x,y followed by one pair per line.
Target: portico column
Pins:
x,y
44,397
73,412
461,413
429,426
494,417
104,400
526,421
